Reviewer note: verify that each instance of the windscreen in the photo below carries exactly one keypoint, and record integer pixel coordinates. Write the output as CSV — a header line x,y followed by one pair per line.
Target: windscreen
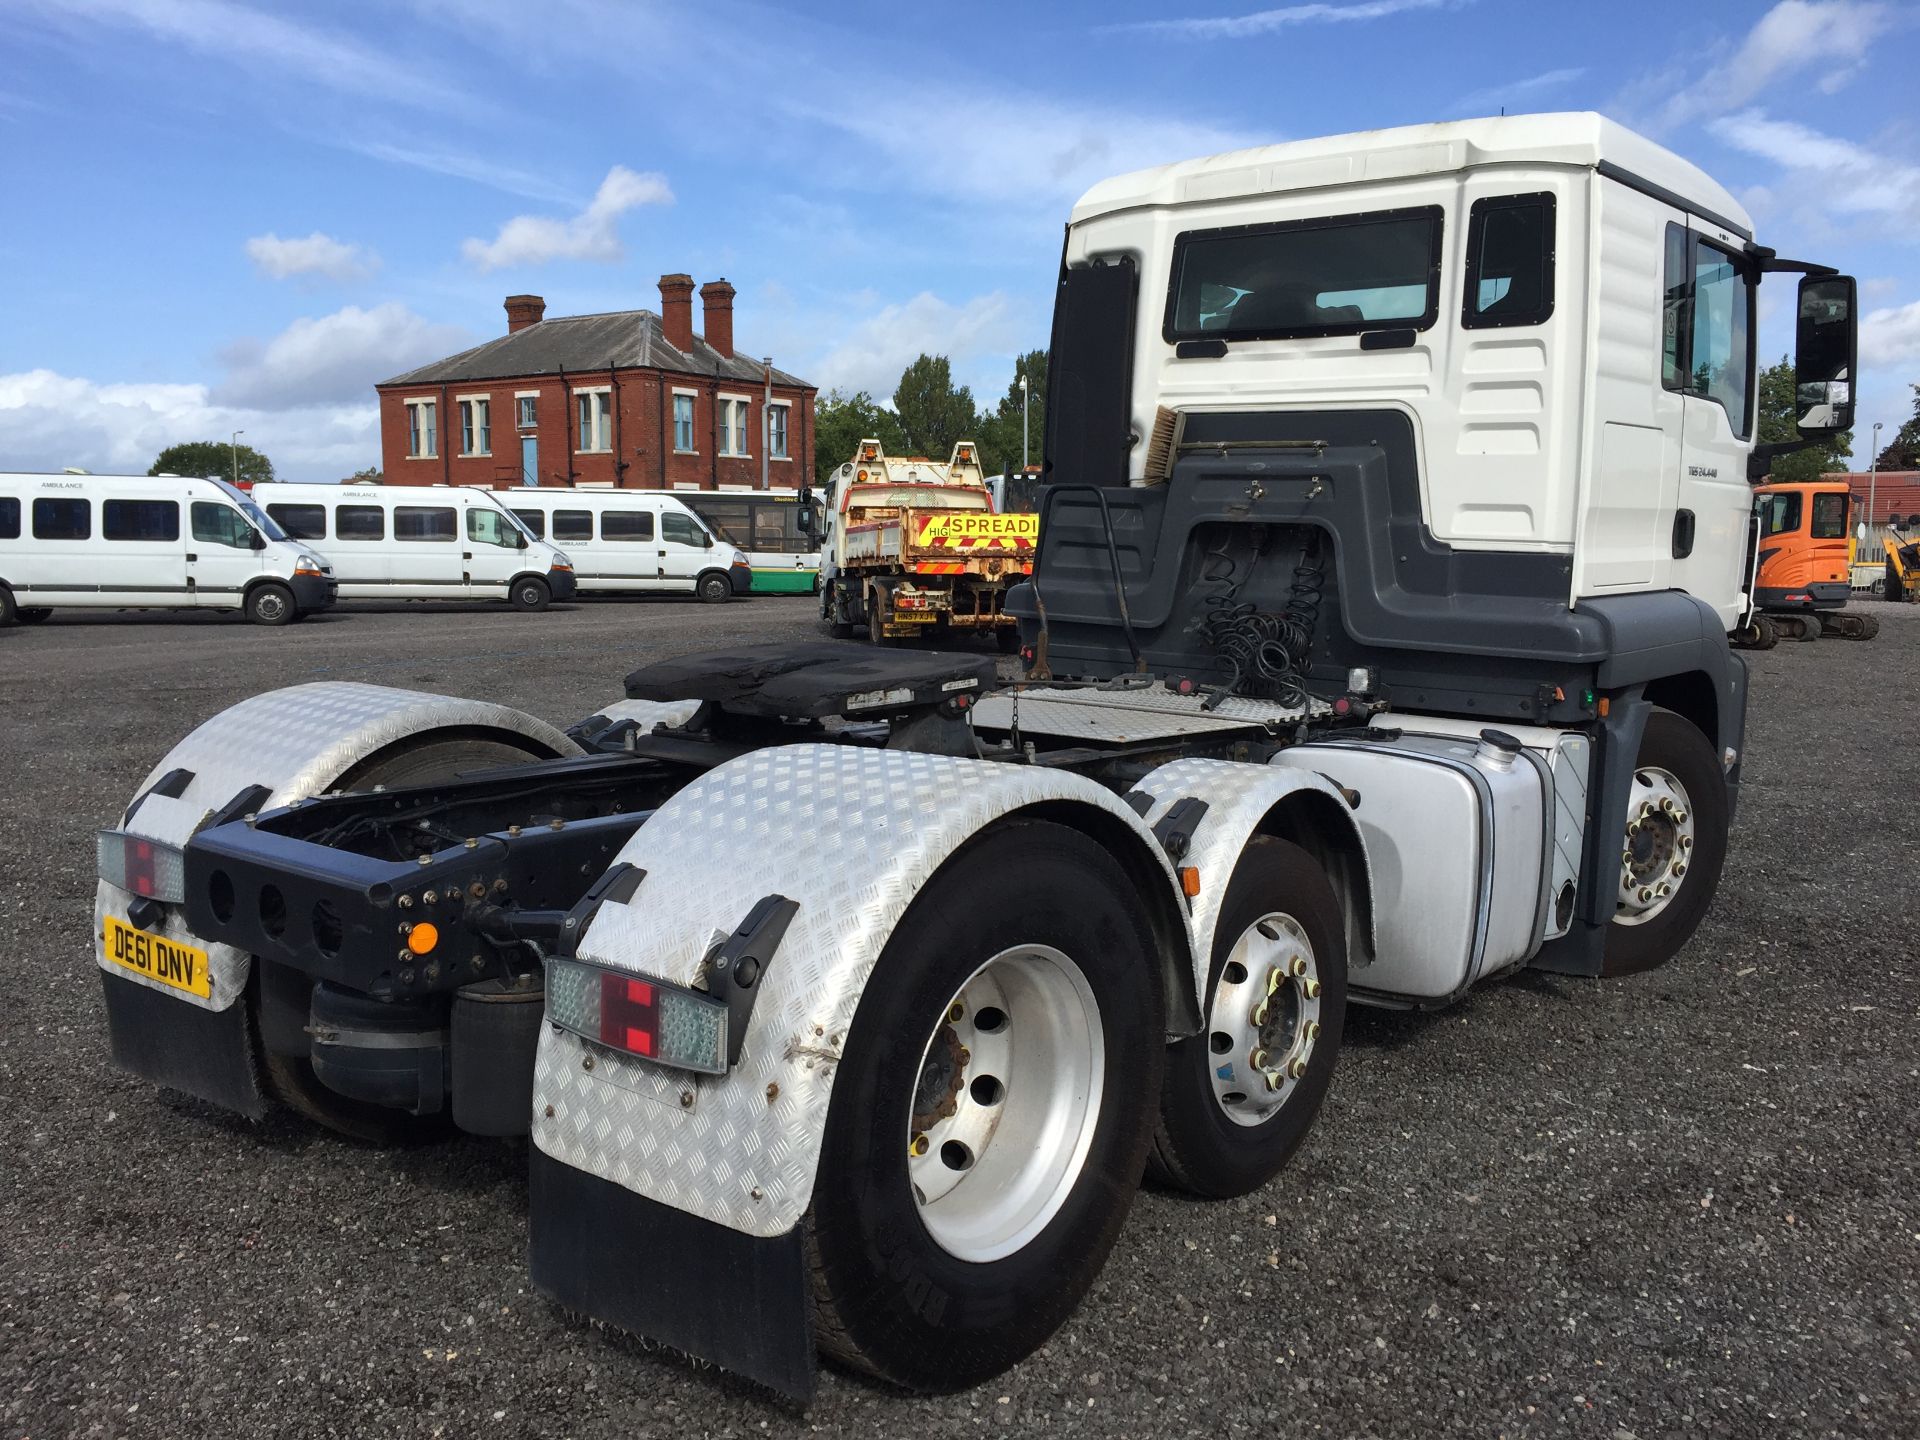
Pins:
x,y
1337,275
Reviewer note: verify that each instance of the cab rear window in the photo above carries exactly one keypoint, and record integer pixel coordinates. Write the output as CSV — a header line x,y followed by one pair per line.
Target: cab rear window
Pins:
x,y
1830,516
1330,275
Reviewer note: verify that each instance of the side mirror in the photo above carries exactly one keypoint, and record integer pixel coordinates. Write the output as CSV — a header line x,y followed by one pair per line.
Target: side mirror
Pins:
x,y
255,540
804,519
519,540
1825,355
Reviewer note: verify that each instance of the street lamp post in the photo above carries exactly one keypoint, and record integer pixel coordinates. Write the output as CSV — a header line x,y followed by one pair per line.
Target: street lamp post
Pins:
x,y
1873,472
1023,424
235,443
766,420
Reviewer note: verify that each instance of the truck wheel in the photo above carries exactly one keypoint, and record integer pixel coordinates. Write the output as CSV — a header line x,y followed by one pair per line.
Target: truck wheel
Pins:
x,y
713,587
991,1113
877,625
270,604
290,1078
530,592
1240,1096
1674,847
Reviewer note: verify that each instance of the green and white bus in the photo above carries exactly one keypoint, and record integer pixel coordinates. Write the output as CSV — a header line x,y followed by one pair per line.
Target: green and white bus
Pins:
x,y
765,524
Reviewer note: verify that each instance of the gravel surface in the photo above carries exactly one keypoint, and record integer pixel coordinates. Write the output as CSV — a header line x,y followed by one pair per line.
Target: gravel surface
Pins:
x,y
1682,1204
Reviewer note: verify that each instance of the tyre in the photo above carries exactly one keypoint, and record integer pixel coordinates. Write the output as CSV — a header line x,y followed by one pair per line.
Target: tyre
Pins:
x,y
8,610
713,588
1878,588
270,604
530,592
290,1078
1810,627
1674,847
991,1114
33,614
1869,627
1239,1098
877,622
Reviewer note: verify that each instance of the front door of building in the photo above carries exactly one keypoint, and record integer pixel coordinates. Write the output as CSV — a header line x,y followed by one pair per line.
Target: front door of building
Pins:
x,y
529,460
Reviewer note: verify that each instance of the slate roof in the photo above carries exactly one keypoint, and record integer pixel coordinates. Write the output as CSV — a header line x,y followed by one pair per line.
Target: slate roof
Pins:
x,y
623,338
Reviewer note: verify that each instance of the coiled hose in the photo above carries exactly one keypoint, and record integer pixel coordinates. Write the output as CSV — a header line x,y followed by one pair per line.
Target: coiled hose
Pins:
x,y
1266,651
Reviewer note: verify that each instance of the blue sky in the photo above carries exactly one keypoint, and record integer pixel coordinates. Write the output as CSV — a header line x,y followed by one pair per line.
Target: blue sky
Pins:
x,y
225,216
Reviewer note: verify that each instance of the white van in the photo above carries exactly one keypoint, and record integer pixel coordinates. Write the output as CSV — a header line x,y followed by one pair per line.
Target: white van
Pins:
x,y
421,542
634,540
149,542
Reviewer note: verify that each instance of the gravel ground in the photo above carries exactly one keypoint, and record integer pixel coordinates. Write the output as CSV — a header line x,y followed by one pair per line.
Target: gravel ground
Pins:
x,y
1677,1205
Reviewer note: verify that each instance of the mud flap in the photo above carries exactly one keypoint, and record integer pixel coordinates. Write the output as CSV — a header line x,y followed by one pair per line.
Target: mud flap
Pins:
x,y
737,1301
208,1054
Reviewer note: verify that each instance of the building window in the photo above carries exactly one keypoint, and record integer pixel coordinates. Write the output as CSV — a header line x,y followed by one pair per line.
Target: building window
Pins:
x,y
529,408
596,425
140,520
422,430
777,432
476,427
683,423
733,425
62,519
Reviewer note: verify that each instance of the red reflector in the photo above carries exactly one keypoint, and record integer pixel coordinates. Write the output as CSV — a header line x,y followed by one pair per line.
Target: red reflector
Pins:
x,y
629,1019
140,866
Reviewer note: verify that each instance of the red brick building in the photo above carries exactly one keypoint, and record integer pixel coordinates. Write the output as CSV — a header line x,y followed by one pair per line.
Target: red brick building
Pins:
x,y
1893,492
629,398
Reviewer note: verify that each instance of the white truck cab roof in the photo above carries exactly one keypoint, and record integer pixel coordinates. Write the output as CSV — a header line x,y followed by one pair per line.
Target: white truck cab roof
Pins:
x,y
1580,138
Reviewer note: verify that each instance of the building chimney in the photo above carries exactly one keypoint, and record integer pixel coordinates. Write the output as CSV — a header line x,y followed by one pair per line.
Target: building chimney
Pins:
x,y
524,310
716,296
676,311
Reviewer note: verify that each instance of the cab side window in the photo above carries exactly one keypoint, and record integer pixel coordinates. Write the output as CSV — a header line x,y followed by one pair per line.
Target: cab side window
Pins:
x,y
1509,262
1707,326
217,524
1780,514
681,530
490,527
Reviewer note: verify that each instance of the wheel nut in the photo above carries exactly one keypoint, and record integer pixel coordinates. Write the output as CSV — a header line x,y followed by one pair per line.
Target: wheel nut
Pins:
x,y
955,1012
1665,890
1273,979
1312,1029
919,1147
1680,817
1298,966
1646,809
1259,1013
1312,989
1258,1059
1686,842
1296,1068
1274,1079
1679,869
1646,894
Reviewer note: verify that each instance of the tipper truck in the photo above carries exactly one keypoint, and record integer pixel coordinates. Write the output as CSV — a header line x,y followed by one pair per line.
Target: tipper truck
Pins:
x,y
914,548
1376,645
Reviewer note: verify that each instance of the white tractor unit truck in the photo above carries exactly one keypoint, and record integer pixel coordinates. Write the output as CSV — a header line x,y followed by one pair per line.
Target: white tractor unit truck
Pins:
x,y
1395,517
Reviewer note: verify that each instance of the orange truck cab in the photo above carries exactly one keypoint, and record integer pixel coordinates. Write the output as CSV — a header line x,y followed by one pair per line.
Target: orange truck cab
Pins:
x,y
1804,550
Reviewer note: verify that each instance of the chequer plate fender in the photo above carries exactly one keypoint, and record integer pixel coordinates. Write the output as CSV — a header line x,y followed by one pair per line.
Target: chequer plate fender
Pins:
x,y
851,834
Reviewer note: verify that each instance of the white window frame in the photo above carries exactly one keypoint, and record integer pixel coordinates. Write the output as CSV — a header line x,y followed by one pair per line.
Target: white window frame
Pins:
x,y
693,422
483,431
786,430
520,397
415,430
600,408
727,404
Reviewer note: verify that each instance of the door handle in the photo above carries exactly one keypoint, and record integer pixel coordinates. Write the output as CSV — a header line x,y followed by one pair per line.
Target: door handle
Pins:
x,y
466,555
1683,528
192,556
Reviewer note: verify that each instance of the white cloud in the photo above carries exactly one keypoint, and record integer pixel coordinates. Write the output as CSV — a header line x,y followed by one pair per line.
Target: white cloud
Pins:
x,y
49,421
1266,22
1514,93
1835,176
314,254
1891,336
247,38
591,235
482,170
871,356
1833,36
334,358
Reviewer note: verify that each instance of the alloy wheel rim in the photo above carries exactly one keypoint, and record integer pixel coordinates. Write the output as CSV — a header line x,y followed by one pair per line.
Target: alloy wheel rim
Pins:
x,y
1264,1020
1657,850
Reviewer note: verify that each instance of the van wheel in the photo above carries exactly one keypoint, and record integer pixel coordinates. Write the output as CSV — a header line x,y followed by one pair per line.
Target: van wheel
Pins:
x,y
714,587
290,1078
530,592
1240,1097
270,604
990,1114
7,608
1673,849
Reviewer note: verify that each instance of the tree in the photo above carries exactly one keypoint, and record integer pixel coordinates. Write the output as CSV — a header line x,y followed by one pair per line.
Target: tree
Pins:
x,y
369,476
933,411
213,458
1904,452
1777,413
842,421
1000,431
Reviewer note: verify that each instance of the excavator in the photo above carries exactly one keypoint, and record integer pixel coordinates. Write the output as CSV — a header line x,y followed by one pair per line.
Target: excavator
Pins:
x,y
1801,580
1902,544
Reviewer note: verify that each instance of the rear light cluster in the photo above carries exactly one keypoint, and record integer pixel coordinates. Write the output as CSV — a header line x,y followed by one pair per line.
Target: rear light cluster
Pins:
x,y
142,866
637,1016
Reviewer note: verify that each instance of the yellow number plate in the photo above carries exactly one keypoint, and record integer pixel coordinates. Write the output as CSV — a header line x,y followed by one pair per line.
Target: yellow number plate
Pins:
x,y
180,966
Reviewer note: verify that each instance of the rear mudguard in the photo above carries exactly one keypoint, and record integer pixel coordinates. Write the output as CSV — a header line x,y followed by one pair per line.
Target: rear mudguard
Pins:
x,y
292,743
851,835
